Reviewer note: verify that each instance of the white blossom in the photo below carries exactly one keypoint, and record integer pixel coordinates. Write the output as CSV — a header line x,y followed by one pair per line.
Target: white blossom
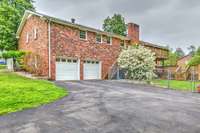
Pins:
x,y
139,63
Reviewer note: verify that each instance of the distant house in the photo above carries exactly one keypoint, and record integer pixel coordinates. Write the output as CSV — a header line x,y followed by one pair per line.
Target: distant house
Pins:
x,y
65,50
185,70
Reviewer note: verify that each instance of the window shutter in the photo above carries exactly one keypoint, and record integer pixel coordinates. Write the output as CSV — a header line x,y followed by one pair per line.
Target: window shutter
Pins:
x,y
27,37
35,33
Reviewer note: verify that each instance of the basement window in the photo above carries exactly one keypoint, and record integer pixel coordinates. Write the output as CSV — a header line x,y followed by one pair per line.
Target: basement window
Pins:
x,y
83,34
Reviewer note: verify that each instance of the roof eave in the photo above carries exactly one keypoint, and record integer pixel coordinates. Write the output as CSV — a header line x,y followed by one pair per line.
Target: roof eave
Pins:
x,y
59,21
23,21
81,27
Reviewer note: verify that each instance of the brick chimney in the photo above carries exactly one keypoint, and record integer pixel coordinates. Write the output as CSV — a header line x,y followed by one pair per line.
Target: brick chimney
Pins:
x,y
134,32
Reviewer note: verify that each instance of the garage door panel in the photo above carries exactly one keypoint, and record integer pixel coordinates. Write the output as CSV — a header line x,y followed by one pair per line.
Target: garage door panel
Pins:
x,y
92,70
67,70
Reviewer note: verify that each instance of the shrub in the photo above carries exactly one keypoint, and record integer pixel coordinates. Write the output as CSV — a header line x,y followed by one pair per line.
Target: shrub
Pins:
x,y
16,56
139,63
13,54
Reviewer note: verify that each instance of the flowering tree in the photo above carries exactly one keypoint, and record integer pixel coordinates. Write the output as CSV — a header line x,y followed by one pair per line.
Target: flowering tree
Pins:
x,y
139,63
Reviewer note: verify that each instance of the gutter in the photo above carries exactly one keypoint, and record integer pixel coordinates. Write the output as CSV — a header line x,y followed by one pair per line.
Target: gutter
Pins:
x,y
49,47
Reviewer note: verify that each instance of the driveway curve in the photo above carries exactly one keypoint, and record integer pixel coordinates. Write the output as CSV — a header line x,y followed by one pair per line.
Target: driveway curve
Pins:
x,y
110,107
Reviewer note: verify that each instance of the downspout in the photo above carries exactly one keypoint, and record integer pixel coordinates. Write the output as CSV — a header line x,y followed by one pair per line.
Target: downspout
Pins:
x,y
49,46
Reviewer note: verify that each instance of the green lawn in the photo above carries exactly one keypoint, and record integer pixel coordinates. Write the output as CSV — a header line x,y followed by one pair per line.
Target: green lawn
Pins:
x,y
17,93
174,84
2,66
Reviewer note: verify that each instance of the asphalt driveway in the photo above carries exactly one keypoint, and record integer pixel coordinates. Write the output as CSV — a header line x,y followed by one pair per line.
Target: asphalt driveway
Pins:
x,y
110,107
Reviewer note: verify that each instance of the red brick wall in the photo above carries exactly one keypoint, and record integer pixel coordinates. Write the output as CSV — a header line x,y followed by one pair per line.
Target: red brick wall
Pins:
x,y
134,32
65,42
38,47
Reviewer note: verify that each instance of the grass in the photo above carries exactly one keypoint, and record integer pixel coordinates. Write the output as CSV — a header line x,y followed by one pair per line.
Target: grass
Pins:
x,y
2,66
18,93
177,85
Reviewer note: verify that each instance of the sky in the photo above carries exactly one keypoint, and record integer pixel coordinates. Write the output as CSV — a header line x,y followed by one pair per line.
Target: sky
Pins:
x,y
173,23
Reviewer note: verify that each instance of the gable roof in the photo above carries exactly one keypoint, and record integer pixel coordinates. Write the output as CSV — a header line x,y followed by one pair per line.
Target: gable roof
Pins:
x,y
186,56
28,13
64,22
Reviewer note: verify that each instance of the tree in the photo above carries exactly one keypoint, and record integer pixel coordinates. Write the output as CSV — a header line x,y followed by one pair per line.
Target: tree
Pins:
x,y
11,12
115,24
179,52
197,51
139,63
192,49
195,59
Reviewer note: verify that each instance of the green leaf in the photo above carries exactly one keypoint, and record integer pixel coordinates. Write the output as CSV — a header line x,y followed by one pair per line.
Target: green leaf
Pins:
x,y
11,13
116,25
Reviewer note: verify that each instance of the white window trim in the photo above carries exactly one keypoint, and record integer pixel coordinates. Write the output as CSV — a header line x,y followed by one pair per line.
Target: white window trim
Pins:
x,y
100,69
86,35
79,69
27,37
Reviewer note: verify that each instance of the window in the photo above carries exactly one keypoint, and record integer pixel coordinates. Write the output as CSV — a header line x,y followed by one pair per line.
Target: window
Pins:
x,y
122,45
82,34
57,59
69,60
98,38
27,37
109,40
35,30
63,60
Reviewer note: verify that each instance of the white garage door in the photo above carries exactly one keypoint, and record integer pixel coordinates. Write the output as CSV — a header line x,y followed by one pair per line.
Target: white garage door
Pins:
x,y
92,70
67,69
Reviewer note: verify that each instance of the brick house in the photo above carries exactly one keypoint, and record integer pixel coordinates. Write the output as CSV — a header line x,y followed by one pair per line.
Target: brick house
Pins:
x,y
63,50
183,72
